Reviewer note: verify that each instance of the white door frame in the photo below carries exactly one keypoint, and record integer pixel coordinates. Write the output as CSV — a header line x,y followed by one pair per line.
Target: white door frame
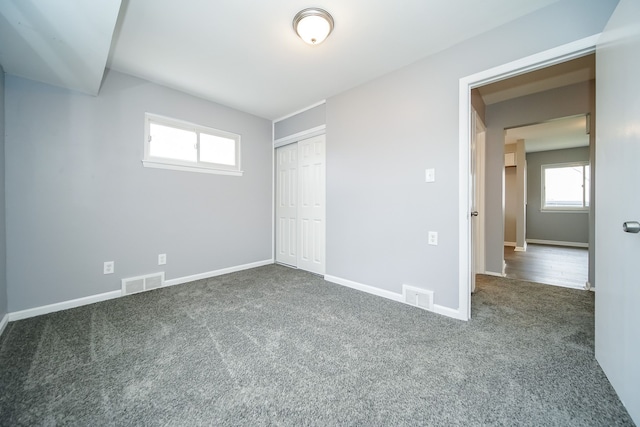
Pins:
x,y
540,60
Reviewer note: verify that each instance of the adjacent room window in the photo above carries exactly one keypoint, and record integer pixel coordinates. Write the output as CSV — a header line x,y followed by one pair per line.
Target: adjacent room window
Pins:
x,y
174,144
566,186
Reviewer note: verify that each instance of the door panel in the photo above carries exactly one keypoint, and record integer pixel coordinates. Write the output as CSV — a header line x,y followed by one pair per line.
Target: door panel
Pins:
x,y
287,204
617,155
311,210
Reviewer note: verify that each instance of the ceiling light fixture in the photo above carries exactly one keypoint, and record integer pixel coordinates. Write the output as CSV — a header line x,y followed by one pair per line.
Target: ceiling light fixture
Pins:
x,y
313,25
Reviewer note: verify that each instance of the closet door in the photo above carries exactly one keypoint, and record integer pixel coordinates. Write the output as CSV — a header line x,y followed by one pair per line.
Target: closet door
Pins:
x,y
287,205
311,204
300,205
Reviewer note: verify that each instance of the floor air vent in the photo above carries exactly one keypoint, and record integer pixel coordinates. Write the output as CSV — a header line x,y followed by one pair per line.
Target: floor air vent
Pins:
x,y
133,285
418,297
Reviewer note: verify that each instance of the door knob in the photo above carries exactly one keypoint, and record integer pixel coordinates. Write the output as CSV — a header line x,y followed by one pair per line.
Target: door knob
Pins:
x,y
475,213
631,227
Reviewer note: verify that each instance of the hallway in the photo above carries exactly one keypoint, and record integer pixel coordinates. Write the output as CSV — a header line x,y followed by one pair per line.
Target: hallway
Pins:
x,y
553,265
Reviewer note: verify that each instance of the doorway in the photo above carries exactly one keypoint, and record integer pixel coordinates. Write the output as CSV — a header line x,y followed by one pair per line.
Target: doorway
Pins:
x,y
539,61
547,199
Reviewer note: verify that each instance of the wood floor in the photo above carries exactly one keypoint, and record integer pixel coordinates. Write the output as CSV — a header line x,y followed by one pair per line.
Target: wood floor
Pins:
x,y
554,265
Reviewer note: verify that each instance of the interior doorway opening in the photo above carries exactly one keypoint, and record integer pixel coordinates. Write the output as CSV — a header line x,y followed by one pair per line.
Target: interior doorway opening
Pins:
x,y
543,60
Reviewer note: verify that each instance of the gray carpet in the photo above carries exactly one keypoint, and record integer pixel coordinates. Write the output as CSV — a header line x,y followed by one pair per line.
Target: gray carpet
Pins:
x,y
275,346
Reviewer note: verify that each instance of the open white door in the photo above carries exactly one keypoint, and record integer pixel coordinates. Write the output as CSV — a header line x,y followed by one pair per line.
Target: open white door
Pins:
x,y
617,165
477,162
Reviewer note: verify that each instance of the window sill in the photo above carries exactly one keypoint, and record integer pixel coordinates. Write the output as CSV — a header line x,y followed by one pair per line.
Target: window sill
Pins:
x,y
564,210
159,165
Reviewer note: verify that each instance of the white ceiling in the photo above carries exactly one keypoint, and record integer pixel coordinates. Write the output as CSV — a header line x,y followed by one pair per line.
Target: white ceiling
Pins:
x,y
569,132
240,53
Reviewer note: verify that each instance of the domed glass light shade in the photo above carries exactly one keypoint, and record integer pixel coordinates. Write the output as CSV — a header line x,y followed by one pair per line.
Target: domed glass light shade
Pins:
x,y
313,25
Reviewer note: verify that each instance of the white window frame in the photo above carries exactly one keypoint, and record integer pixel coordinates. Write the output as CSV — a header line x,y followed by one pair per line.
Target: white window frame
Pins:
x,y
543,207
198,166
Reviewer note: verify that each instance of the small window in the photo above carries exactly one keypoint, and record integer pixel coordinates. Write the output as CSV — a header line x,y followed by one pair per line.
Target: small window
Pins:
x,y
566,187
174,144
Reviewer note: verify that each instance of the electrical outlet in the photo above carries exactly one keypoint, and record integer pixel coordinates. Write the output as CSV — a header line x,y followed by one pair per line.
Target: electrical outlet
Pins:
x,y
430,175
109,267
433,237
162,259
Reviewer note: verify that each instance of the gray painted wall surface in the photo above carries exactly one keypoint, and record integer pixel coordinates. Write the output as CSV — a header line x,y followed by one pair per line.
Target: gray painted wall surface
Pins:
x,y
552,104
559,226
382,135
3,237
78,195
308,119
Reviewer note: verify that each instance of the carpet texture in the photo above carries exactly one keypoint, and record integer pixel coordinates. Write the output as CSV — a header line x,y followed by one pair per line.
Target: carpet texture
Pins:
x,y
276,346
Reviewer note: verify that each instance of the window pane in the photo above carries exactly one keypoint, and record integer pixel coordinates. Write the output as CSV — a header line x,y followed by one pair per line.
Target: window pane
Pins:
x,y
172,143
216,149
563,187
587,185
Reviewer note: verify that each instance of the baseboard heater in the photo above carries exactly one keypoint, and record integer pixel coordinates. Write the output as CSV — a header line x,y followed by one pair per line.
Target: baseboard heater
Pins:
x,y
133,285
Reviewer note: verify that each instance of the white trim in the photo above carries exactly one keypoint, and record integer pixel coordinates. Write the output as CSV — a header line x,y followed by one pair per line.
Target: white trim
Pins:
x,y
558,243
273,192
208,274
449,312
492,273
511,244
190,166
438,309
365,288
64,305
183,168
521,248
295,113
305,134
3,323
537,61
585,165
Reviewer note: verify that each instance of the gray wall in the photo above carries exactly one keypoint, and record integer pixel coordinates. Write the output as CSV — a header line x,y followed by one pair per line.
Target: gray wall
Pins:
x,y
552,104
382,135
558,226
307,119
3,237
77,194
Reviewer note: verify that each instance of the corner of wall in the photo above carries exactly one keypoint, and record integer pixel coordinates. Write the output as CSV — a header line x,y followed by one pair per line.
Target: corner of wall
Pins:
x,y
3,246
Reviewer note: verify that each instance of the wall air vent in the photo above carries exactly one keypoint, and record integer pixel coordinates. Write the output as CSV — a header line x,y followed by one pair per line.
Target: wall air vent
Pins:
x,y
133,285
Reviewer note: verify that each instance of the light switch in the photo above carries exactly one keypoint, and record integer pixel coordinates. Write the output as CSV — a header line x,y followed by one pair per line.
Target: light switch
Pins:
x,y
430,175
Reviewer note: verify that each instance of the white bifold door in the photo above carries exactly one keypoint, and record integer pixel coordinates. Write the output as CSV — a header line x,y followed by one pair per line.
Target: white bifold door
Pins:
x,y
300,204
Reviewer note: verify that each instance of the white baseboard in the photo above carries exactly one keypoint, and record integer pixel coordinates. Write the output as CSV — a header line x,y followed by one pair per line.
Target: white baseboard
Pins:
x,y
208,274
558,243
438,309
364,288
521,248
493,273
64,305
51,308
3,323
511,244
